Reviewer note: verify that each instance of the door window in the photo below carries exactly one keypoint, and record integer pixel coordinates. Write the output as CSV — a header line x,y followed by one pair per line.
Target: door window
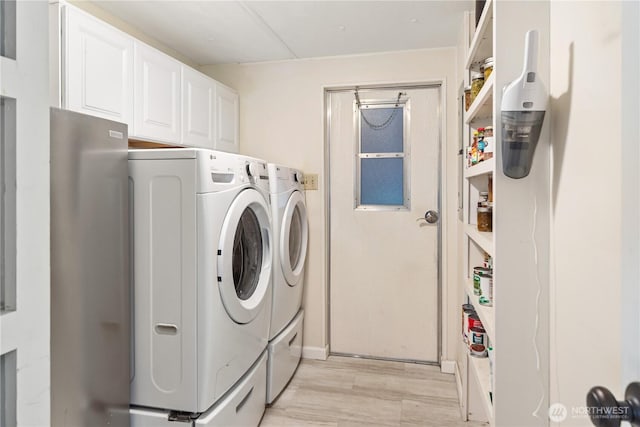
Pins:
x,y
381,169
247,255
295,238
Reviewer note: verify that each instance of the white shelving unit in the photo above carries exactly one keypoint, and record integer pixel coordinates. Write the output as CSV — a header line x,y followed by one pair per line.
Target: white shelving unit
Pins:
x,y
517,322
476,179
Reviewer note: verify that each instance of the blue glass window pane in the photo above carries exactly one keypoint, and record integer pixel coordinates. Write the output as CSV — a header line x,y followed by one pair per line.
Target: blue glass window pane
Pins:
x,y
381,130
381,181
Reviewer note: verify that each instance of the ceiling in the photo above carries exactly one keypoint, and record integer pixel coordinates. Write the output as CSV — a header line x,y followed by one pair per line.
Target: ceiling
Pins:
x,y
219,31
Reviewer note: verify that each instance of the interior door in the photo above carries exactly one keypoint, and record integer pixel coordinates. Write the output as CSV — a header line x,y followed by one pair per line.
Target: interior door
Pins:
x,y
384,262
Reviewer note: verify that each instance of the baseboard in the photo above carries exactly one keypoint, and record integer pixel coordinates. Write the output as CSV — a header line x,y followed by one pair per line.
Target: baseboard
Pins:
x,y
448,366
318,353
462,406
458,383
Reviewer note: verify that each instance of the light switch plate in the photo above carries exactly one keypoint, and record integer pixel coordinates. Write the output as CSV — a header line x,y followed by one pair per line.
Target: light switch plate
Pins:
x,y
310,181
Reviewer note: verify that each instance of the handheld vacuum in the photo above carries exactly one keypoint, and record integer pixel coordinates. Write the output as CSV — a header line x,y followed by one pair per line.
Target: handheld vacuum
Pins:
x,y
524,102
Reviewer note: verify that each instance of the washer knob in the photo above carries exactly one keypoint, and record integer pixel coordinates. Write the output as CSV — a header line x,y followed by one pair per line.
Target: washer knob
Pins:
x,y
253,169
297,177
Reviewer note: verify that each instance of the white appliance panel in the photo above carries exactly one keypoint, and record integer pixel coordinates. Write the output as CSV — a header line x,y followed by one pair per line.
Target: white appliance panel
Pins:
x,y
285,352
244,405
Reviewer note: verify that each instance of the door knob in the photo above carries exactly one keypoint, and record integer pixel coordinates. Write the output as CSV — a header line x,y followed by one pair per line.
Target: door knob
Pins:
x,y
430,216
606,411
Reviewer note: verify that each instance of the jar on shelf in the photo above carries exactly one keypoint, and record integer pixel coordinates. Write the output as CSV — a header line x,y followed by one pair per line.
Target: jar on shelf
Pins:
x,y
483,198
488,131
485,220
487,67
477,81
467,98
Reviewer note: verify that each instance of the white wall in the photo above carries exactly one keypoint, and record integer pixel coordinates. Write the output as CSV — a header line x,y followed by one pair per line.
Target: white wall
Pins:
x,y
631,191
586,93
282,120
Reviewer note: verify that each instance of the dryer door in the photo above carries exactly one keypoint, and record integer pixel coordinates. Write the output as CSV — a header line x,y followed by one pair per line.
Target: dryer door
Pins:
x,y
294,236
244,256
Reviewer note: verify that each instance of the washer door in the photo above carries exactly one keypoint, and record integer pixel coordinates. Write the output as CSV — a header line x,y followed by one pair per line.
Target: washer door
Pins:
x,y
244,256
294,236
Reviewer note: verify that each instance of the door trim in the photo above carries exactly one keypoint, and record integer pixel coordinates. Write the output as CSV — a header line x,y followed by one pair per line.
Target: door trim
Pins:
x,y
440,85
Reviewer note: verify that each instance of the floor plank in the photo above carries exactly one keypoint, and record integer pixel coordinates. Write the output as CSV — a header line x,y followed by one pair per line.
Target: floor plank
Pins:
x,y
354,392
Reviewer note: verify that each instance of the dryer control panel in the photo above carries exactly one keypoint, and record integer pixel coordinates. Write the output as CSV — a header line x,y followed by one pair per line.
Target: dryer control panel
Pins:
x,y
284,179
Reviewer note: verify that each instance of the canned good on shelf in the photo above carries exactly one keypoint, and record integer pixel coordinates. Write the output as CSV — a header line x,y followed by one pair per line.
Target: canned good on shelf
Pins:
x,y
478,350
478,336
477,272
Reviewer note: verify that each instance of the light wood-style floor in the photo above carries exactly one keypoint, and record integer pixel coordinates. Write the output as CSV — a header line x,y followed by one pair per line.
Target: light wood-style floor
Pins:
x,y
352,392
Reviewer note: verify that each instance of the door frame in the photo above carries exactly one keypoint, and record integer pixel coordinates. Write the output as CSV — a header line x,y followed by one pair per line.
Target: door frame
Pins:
x,y
440,85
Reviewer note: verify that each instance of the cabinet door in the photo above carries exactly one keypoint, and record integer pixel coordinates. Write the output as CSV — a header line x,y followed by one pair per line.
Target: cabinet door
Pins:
x,y
156,101
98,62
227,112
198,109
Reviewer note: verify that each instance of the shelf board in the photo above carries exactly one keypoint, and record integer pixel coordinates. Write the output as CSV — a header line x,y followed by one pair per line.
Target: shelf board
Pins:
x,y
484,239
480,369
485,313
481,46
482,106
483,168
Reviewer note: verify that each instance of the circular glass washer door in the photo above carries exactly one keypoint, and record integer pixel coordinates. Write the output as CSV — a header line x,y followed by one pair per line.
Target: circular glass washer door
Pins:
x,y
244,256
294,235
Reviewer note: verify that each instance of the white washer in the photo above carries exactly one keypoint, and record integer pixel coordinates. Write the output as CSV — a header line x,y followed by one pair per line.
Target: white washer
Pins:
x,y
291,235
202,262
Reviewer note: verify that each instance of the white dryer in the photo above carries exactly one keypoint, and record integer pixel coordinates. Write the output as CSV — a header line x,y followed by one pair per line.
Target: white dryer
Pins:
x,y
202,261
291,235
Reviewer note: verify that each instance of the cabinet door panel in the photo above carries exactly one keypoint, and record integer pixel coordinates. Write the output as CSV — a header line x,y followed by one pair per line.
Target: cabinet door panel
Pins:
x,y
198,113
157,95
99,68
227,112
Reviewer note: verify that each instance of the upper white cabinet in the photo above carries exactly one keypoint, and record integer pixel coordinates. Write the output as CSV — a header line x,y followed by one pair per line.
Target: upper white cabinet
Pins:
x,y
157,95
227,107
99,70
98,64
198,109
